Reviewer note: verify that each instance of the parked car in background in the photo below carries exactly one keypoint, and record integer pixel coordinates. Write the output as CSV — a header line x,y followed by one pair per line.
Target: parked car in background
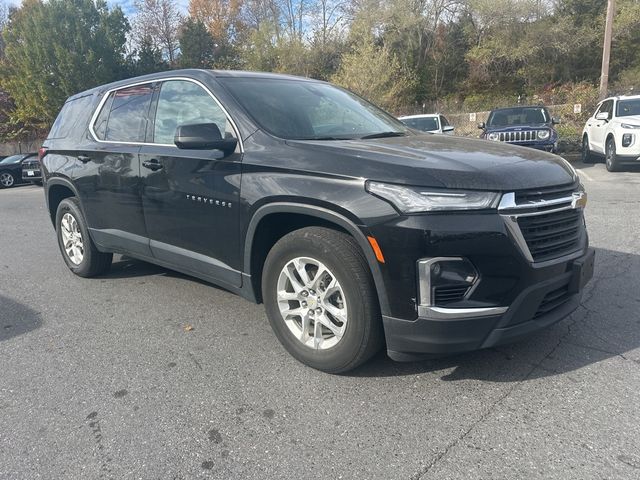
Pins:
x,y
613,133
528,126
432,123
31,169
11,169
356,231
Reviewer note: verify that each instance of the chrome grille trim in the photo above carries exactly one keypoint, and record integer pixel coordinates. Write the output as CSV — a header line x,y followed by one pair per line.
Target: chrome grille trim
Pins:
x,y
511,211
521,136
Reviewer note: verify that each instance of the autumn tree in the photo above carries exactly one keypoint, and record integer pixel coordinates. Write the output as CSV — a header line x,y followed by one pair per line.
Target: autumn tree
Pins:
x,y
374,72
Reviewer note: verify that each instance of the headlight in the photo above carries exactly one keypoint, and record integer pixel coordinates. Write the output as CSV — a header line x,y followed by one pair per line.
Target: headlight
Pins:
x,y
629,125
493,136
543,134
416,199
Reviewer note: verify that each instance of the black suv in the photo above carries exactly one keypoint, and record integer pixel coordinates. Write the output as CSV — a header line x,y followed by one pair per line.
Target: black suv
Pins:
x,y
355,231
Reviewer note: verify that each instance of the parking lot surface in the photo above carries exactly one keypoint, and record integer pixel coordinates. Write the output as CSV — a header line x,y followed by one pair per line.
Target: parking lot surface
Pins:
x,y
145,373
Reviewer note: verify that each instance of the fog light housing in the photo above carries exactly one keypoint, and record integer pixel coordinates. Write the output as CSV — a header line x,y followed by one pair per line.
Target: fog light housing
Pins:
x,y
627,139
445,280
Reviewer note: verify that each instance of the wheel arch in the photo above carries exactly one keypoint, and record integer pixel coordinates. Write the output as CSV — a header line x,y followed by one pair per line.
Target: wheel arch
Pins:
x,y
260,238
57,190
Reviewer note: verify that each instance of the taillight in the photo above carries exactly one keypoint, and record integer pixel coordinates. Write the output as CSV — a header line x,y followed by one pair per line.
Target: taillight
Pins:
x,y
42,151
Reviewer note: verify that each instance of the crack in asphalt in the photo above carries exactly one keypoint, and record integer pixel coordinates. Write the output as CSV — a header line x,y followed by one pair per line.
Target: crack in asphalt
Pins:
x,y
573,320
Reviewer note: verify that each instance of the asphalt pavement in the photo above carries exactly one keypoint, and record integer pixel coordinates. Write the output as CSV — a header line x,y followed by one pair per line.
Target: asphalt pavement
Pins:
x,y
147,374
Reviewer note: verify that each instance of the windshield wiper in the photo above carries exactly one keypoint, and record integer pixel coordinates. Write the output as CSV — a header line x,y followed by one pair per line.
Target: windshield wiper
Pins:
x,y
323,138
383,135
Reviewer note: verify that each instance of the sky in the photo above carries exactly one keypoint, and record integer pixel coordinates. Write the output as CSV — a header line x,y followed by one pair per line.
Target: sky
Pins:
x,y
127,5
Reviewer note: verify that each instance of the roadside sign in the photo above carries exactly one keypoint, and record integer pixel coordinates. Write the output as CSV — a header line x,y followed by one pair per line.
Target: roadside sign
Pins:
x,y
577,108
472,117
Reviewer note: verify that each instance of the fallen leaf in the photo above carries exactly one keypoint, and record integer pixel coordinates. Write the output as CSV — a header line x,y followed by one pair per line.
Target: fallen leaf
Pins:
x,y
188,328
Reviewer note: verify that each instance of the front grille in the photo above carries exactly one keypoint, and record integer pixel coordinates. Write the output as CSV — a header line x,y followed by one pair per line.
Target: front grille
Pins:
x,y
31,166
546,193
546,223
524,136
443,295
553,300
552,235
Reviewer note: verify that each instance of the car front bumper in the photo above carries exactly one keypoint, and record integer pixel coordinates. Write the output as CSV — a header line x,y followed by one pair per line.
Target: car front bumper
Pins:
x,y
442,332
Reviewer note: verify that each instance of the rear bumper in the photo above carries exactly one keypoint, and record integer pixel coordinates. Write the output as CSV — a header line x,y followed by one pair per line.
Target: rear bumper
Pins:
x,y
35,177
536,307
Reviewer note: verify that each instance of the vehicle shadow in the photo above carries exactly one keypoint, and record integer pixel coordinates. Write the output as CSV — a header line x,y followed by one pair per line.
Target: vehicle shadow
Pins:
x,y
606,325
16,318
127,267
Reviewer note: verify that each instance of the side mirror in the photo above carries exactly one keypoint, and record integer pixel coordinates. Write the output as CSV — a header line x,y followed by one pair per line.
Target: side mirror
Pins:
x,y
203,136
481,126
555,120
602,116
447,128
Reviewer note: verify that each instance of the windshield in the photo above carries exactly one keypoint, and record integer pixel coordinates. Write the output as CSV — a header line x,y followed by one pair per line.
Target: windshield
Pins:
x,y
626,108
301,110
12,159
426,124
509,117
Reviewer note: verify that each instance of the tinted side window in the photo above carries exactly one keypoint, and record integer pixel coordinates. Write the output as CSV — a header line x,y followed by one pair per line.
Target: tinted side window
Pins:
x,y
69,116
185,103
425,124
123,117
445,122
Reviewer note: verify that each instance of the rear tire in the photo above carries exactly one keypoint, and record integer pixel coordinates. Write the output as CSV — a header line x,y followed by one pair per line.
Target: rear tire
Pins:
x,y
587,156
327,317
610,156
78,250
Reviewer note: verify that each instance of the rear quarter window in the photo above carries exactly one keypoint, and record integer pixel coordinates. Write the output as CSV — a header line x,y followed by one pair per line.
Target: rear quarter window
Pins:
x,y
123,115
69,117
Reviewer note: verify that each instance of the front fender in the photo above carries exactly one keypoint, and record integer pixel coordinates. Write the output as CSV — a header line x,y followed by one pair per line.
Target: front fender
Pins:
x,y
327,215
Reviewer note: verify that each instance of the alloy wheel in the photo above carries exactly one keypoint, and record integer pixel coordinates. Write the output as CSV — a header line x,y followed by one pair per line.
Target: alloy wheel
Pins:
x,y
72,238
6,180
312,303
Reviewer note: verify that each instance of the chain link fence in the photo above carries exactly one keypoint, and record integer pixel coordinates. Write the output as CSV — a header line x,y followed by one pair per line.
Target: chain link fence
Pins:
x,y
572,119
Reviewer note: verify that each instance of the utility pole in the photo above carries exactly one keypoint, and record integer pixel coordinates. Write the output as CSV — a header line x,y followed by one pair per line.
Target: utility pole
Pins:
x,y
606,50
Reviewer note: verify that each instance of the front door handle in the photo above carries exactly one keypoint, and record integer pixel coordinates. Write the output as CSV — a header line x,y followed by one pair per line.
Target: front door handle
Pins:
x,y
152,164
84,158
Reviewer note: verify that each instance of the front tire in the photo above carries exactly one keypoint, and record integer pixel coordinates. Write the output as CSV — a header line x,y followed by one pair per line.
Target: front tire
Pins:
x,y
321,301
587,156
7,180
78,250
610,156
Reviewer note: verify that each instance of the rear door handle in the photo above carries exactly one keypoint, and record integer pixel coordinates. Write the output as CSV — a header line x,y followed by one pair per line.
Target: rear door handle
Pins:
x,y
84,158
152,164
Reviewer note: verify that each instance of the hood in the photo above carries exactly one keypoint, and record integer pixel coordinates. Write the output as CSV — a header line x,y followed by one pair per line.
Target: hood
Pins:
x,y
442,161
632,119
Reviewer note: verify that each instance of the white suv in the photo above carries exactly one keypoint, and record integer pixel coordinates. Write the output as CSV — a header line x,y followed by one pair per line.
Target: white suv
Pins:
x,y
613,132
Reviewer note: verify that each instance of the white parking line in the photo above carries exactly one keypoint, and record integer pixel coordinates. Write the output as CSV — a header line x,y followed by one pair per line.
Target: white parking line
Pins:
x,y
586,175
